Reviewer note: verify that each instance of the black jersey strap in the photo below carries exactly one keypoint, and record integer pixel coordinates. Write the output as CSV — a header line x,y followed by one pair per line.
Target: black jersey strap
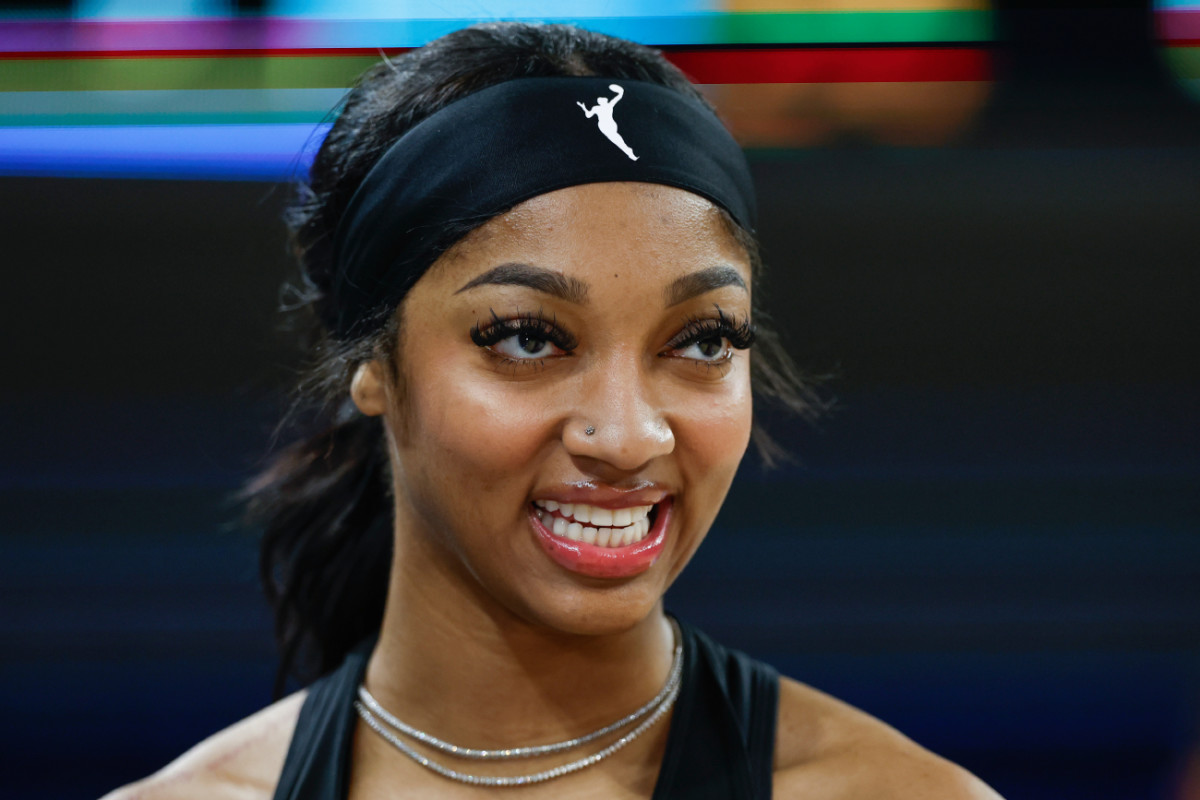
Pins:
x,y
722,740
317,767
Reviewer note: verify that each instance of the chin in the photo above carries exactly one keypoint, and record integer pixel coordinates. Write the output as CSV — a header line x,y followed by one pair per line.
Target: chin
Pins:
x,y
602,610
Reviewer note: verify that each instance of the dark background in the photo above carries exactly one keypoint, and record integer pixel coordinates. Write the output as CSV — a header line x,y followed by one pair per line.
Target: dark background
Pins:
x,y
990,542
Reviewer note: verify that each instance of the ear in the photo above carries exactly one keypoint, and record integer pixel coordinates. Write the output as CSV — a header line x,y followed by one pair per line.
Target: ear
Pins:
x,y
367,389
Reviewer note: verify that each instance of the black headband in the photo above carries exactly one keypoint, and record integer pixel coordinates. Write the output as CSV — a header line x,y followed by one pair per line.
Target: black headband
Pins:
x,y
484,154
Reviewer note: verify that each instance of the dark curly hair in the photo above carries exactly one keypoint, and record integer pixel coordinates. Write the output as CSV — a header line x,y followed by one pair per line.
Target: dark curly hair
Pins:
x,y
323,502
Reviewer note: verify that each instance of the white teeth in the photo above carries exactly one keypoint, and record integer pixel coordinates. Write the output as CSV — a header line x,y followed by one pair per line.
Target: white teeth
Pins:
x,y
596,516
603,527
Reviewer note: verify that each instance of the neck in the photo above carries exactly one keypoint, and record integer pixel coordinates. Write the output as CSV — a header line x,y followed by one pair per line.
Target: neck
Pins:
x,y
461,666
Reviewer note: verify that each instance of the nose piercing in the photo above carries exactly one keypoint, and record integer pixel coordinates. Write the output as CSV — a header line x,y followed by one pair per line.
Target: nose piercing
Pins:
x,y
589,430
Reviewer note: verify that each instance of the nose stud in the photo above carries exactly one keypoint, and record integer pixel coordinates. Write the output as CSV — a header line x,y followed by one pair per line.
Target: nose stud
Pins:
x,y
589,430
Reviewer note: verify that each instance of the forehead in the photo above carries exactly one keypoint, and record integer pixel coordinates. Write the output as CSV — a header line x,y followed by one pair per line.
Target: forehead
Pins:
x,y
657,231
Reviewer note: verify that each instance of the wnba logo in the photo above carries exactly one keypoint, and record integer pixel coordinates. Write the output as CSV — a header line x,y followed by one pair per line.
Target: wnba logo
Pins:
x,y
603,112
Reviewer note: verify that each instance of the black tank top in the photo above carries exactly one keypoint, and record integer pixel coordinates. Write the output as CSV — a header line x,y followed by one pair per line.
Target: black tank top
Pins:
x,y
721,743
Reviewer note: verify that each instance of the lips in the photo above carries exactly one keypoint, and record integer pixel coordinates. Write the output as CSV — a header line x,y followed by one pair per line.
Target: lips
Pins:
x,y
623,542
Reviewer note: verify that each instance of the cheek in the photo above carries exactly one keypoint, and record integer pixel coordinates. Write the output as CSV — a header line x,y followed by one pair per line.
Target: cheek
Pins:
x,y
474,430
717,432
711,441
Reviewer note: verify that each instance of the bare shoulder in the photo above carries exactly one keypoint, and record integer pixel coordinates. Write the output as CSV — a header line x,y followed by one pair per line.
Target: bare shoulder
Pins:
x,y
243,761
826,748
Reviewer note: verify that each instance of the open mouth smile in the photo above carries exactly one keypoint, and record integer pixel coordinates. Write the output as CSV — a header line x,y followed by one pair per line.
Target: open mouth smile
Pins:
x,y
601,542
603,527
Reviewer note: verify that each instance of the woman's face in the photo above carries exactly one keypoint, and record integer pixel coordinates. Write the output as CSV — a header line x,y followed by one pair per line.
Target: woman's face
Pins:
x,y
616,308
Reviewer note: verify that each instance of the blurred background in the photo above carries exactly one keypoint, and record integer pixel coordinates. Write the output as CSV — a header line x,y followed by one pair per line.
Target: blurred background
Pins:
x,y
982,224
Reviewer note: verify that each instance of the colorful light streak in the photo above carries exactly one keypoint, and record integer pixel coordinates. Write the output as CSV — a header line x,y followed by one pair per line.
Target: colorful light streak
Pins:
x,y
274,35
210,152
1178,27
73,90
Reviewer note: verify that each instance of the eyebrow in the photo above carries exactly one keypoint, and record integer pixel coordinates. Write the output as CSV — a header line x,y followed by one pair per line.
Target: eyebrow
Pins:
x,y
705,280
538,278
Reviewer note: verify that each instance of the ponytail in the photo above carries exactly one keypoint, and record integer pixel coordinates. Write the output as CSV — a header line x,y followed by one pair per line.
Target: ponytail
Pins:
x,y
325,508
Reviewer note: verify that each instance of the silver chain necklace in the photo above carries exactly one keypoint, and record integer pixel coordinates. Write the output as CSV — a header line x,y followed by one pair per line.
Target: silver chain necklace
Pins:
x,y
377,718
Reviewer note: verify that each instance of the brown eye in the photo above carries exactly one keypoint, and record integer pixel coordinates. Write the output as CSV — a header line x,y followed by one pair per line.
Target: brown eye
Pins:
x,y
530,345
712,340
711,347
527,337
526,344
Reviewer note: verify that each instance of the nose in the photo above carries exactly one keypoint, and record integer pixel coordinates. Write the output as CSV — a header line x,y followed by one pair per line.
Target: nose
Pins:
x,y
629,428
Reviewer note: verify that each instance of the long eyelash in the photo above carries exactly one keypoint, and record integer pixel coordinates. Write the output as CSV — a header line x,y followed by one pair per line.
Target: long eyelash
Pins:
x,y
740,333
530,322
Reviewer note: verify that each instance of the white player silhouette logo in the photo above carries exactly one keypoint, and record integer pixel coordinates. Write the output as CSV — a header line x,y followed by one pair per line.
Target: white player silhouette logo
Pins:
x,y
603,111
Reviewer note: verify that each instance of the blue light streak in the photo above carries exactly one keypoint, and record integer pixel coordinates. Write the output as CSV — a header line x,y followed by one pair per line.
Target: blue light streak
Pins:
x,y
187,152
